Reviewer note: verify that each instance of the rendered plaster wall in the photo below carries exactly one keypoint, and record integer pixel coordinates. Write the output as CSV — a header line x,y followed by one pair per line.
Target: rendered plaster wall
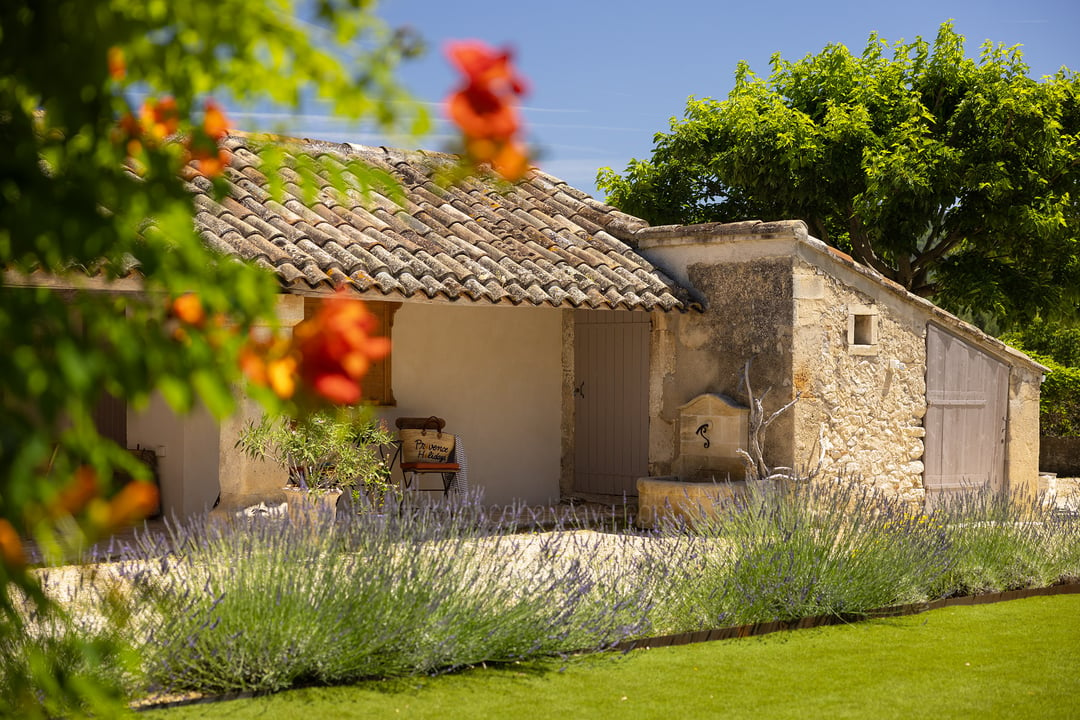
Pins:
x,y
495,374
1022,432
157,426
862,403
245,481
188,467
748,316
201,459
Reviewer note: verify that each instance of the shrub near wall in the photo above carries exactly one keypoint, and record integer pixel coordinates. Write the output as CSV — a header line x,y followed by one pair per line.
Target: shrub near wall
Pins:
x,y
1061,456
1058,348
1059,419
1059,410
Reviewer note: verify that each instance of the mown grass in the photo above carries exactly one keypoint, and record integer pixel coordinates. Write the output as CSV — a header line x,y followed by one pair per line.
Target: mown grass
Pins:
x,y
1017,659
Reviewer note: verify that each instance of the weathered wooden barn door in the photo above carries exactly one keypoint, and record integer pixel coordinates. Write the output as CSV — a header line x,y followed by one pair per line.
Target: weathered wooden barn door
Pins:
x,y
967,407
611,391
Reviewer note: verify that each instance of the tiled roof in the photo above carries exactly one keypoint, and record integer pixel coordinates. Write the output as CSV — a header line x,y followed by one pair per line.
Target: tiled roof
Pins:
x,y
538,242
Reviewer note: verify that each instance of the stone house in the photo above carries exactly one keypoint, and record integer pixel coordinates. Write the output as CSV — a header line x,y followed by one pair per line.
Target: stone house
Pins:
x,y
567,343
891,388
476,284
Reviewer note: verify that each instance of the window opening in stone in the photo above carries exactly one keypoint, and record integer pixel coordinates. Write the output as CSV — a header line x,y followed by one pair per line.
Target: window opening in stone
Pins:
x,y
864,330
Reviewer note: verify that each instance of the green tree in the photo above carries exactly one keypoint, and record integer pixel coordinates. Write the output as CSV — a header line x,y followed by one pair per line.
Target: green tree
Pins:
x,y
95,195
958,179
1058,348
1048,339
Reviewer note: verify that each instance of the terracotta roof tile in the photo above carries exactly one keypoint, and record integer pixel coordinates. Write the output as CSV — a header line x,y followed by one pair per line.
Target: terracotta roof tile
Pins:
x,y
473,288
361,281
386,282
289,273
557,293
539,242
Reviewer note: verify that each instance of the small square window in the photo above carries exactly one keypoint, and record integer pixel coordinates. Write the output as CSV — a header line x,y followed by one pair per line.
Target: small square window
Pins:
x,y
862,330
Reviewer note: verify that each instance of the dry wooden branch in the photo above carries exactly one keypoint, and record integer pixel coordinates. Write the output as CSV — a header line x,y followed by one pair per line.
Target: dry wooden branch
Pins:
x,y
754,457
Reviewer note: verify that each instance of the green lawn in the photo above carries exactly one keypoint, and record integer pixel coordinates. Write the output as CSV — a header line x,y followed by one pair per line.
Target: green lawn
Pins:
x,y
1018,659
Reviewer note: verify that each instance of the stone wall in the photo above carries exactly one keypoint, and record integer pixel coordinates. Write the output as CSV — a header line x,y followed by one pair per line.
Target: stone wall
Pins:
x,y
712,431
1022,432
862,402
852,342
749,315
568,411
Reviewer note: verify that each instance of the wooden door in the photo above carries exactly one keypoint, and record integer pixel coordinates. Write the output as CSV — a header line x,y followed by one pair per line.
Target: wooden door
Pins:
x,y
611,392
110,419
967,394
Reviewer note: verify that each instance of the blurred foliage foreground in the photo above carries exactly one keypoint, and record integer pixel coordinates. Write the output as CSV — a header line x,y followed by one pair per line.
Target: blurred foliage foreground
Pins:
x,y
104,112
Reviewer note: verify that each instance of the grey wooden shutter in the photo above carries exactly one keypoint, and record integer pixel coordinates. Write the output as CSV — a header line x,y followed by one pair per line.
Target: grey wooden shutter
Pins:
x,y
967,393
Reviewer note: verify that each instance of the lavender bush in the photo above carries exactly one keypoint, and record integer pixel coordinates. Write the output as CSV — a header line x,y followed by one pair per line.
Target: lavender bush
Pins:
x,y
809,549
268,605
1003,542
842,548
85,636
263,605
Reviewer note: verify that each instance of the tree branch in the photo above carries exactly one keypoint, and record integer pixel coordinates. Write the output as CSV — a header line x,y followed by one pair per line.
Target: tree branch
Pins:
x,y
818,229
864,253
754,457
905,275
933,253
924,290
1053,179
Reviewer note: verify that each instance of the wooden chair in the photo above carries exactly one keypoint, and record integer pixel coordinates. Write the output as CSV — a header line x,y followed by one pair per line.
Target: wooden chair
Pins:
x,y
412,470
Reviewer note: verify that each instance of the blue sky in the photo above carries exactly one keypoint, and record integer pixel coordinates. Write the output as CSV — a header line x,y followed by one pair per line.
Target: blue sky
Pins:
x,y
606,75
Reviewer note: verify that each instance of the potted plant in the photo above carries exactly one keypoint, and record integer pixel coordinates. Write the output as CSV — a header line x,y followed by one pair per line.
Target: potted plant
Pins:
x,y
324,454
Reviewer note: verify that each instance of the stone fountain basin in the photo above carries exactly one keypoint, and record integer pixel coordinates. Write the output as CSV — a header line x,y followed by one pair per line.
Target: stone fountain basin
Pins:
x,y
671,497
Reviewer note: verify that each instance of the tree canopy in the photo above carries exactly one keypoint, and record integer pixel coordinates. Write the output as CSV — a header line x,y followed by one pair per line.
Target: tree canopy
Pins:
x,y
957,178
